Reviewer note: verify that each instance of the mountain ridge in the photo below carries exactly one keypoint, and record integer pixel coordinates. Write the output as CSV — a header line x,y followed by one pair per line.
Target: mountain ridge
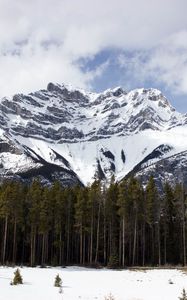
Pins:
x,y
83,132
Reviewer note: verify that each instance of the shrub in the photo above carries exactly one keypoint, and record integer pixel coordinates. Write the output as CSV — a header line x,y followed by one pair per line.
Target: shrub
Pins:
x,y
113,262
183,296
109,297
58,281
17,278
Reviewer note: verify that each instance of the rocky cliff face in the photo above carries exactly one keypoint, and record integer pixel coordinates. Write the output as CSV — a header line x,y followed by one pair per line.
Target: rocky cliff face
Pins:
x,y
69,134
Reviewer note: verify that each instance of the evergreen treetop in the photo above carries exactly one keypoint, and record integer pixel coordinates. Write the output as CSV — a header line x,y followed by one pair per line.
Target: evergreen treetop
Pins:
x,y
58,281
17,278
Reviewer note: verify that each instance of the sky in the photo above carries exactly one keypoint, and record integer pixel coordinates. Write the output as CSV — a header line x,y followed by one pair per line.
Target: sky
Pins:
x,y
94,45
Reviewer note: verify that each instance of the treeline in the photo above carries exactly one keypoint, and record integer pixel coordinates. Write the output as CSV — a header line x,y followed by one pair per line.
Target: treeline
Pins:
x,y
122,225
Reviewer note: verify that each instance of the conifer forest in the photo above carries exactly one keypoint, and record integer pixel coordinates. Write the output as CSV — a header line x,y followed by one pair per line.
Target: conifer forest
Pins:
x,y
124,224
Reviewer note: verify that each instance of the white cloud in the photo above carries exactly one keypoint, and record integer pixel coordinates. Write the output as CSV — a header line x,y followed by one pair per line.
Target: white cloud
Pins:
x,y
168,63
165,63
42,40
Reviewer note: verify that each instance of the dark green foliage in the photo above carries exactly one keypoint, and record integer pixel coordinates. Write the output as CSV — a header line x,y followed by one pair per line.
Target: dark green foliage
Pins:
x,y
17,278
122,224
109,297
183,296
113,261
58,281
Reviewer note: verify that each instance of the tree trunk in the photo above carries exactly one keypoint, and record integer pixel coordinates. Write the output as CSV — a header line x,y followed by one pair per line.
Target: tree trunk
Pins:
x,y
14,242
158,238
5,239
120,243
81,242
143,245
91,241
98,230
60,249
68,236
183,227
33,247
184,243
123,242
104,238
134,242
84,248
165,245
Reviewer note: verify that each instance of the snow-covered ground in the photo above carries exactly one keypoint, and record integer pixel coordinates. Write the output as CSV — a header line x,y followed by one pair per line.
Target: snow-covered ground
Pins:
x,y
91,284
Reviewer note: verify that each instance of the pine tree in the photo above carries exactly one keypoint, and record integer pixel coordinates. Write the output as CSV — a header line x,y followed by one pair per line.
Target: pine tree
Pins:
x,y
58,196
123,214
169,224
16,214
5,209
81,216
58,281
34,197
119,225
113,261
94,219
135,195
17,278
109,297
183,296
180,224
153,220
45,218
112,220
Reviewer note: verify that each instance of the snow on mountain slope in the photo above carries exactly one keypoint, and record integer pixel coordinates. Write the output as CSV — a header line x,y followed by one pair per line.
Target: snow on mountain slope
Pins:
x,y
82,133
172,169
83,157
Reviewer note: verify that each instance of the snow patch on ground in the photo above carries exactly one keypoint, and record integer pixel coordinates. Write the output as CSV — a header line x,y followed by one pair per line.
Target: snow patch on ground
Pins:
x,y
90,284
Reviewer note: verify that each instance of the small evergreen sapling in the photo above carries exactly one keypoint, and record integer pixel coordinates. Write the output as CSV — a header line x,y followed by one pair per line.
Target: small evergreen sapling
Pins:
x,y
183,296
109,297
113,262
58,281
17,278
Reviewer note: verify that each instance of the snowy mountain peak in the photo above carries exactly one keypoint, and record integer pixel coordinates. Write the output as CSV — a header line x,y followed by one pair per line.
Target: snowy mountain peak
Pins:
x,y
78,130
151,97
116,92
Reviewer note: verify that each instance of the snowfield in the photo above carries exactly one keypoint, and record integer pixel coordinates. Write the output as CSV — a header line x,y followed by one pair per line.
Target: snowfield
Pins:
x,y
90,284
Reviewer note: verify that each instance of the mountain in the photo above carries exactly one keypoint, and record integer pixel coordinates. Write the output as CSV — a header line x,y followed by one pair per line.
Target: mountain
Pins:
x,y
71,135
